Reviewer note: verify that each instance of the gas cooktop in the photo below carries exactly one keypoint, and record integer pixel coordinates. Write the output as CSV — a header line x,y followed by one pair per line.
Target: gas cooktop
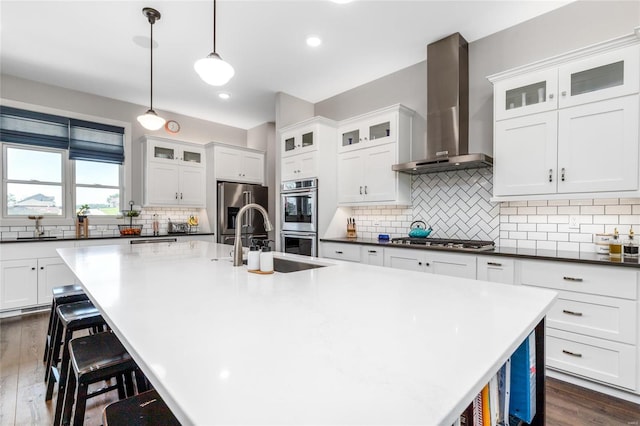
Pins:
x,y
463,245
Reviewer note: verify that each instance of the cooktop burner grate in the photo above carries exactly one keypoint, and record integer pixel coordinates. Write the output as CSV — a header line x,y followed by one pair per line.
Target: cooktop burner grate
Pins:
x,y
472,245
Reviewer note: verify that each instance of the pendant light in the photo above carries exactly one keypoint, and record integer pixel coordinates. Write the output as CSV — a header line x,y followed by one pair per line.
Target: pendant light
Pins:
x,y
212,69
150,120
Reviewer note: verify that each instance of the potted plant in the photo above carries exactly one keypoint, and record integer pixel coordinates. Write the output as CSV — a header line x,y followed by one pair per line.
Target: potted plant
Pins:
x,y
82,212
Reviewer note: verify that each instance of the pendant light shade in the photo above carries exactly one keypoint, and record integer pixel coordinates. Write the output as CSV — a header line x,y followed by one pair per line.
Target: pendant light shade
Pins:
x,y
150,120
212,69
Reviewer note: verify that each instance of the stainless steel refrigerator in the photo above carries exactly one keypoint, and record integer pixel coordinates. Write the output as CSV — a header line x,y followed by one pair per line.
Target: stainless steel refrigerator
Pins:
x,y
231,198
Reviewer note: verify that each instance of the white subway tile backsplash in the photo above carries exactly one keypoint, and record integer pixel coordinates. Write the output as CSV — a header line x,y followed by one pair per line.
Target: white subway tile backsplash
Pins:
x,y
509,227
508,210
581,238
581,202
592,229
569,210
547,210
517,219
526,226
558,219
605,220
516,235
558,236
563,246
537,203
505,242
592,210
605,201
526,210
629,200
630,219
609,210
538,236
537,219
558,202
546,245
546,227
526,244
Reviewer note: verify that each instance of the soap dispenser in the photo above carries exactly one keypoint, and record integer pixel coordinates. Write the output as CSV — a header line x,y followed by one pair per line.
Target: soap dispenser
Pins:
x,y
631,246
615,246
266,258
253,259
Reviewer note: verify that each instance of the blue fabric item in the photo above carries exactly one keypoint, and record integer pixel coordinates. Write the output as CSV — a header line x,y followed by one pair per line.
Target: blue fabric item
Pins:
x,y
96,142
523,380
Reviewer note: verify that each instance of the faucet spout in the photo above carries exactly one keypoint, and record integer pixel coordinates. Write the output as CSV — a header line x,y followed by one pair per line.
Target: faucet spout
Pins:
x,y
39,231
237,242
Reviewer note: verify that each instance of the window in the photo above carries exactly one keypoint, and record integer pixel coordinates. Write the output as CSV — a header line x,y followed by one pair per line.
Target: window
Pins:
x,y
35,180
98,185
49,157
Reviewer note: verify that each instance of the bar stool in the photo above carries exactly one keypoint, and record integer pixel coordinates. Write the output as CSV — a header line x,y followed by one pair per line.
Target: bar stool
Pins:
x,y
61,295
93,359
144,409
72,317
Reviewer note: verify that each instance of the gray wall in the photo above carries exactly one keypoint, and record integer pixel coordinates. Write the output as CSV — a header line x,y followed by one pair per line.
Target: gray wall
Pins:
x,y
573,26
192,129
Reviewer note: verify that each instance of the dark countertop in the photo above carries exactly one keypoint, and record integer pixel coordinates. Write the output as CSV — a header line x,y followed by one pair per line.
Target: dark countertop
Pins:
x,y
564,256
142,237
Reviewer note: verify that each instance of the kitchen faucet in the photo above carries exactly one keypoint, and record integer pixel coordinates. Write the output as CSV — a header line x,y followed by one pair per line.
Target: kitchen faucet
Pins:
x,y
237,243
39,231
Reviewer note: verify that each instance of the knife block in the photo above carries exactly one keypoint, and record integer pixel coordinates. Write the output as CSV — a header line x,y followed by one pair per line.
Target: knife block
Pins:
x,y
82,228
351,230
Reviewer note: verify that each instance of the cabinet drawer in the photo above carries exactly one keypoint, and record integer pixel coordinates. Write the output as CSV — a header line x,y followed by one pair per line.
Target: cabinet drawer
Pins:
x,y
350,252
611,281
598,359
596,316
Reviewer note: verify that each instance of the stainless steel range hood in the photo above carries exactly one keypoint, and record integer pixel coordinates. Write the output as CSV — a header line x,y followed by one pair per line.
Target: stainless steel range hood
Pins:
x,y
447,111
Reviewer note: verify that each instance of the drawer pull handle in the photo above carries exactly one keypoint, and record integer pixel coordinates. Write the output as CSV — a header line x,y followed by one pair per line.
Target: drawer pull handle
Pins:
x,y
577,314
494,264
338,252
572,353
578,280
373,251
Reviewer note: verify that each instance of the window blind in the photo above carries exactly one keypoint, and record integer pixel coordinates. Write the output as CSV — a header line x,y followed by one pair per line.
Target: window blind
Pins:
x,y
33,128
85,140
96,142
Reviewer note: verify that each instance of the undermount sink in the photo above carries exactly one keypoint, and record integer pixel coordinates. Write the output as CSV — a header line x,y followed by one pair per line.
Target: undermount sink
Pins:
x,y
286,265
37,238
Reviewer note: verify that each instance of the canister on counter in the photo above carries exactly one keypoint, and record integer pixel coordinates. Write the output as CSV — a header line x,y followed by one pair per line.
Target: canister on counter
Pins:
x,y
602,243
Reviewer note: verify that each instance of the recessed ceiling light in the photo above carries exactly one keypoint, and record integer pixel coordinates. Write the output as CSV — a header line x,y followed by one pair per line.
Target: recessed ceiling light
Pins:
x,y
224,95
314,41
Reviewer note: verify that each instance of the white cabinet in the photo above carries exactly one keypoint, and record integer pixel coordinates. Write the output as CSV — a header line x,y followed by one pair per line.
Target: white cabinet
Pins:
x,y
361,132
19,287
340,251
300,138
384,138
29,271
174,174
365,176
300,166
495,269
440,263
569,125
592,327
372,255
238,165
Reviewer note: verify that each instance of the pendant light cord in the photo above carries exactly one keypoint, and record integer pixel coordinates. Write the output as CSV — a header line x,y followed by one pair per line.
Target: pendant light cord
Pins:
x,y
214,26
151,21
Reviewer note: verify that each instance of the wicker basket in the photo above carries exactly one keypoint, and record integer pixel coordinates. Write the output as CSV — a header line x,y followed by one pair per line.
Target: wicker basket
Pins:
x,y
130,230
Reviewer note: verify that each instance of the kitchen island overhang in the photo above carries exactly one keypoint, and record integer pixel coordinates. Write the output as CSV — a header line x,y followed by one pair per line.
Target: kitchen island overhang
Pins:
x,y
342,344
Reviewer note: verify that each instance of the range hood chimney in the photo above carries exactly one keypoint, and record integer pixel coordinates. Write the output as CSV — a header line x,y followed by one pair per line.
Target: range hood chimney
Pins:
x,y
447,111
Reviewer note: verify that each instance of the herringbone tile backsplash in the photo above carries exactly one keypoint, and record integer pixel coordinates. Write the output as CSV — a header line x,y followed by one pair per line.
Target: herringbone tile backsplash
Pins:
x,y
456,204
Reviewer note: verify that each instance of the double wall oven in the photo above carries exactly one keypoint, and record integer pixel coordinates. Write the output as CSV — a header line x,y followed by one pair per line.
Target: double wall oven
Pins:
x,y
299,209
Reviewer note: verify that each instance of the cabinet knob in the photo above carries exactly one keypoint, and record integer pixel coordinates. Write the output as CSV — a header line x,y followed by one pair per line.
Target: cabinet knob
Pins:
x,y
562,173
550,175
551,95
427,264
419,263
365,190
564,93
42,267
366,139
338,252
360,190
176,195
33,269
181,195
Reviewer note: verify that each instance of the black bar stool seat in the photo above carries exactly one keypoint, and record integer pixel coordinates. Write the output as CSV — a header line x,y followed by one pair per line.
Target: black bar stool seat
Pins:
x,y
93,359
144,409
61,295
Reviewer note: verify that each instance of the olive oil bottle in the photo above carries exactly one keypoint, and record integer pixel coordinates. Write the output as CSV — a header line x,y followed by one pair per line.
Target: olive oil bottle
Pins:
x,y
615,246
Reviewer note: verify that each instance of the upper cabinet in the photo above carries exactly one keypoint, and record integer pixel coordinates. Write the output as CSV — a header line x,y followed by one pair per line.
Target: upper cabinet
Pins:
x,y
568,126
238,164
368,145
304,146
174,173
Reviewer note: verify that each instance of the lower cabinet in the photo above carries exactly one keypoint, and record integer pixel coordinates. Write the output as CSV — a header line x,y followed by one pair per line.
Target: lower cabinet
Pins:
x,y
455,265
28,282
592,328
340,251
495,269
372,255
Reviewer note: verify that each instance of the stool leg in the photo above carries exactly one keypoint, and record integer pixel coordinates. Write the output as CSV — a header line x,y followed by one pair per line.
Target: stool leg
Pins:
x,y
125,385
64,374
141,381
54,349
69,397
81,404
47,342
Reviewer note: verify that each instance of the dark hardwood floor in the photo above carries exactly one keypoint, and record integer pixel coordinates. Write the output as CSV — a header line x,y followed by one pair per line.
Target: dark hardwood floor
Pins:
x,y
22,388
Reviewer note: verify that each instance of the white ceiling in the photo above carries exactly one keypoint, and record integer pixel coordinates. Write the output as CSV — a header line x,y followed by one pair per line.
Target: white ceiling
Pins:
x,y
101,47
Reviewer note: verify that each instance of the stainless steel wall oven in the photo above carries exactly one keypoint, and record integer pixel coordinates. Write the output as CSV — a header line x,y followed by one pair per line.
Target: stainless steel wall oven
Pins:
x,y
299,220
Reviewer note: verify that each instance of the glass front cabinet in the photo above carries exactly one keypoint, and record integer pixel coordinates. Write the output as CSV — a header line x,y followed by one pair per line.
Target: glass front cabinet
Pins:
x,y
361,133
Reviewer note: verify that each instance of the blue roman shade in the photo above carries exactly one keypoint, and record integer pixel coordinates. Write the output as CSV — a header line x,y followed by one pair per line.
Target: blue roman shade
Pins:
x,y
85,140
33,128
96,142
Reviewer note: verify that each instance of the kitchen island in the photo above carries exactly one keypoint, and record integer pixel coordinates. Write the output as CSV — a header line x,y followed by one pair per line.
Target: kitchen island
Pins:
x,y
340,344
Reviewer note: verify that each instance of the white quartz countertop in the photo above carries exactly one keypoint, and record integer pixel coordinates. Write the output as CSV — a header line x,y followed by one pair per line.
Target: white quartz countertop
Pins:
x,y
342,344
